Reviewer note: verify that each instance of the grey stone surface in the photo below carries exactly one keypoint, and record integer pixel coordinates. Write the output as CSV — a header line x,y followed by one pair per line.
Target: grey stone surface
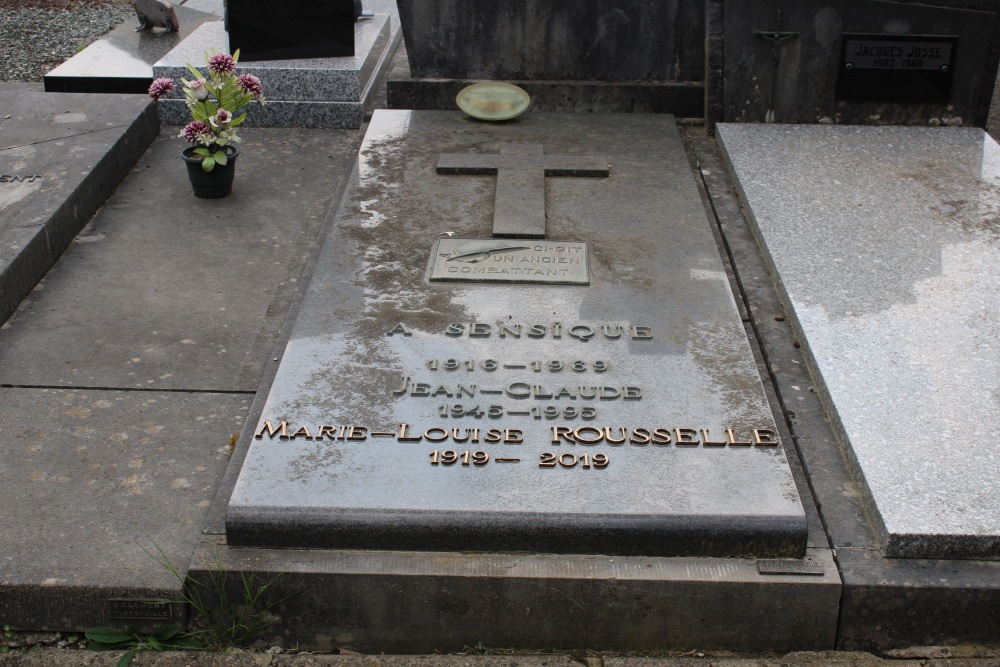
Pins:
x,y
60,158
92,477
654,264
802,87
311,93
883,241
406,602
595,40
122,60
181,293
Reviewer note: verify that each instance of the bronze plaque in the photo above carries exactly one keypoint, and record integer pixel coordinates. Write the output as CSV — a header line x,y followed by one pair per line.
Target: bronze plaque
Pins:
x,y
510,261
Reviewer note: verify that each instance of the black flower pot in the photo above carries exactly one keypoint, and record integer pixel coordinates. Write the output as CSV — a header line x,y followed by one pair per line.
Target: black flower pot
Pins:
x,y
211,184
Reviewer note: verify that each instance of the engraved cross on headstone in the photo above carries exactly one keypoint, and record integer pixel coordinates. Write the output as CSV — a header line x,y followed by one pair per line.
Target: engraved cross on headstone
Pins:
x,y
520,169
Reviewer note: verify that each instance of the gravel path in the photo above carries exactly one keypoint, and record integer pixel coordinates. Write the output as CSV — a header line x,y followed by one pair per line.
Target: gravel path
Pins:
x,y
37,35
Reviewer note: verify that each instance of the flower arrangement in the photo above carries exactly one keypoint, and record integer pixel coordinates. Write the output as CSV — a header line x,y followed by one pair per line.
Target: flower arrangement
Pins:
x,y
214,102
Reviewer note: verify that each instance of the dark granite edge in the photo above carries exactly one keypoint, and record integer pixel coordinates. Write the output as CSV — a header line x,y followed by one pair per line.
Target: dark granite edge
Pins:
x,y
549,532
407,602
52,236
77,608
843,442
115,85
945,601
709,173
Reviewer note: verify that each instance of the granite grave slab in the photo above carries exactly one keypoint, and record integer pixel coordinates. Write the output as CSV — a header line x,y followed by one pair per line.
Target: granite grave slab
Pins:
x,y
311,92
61,155
883,244
621,417
122,60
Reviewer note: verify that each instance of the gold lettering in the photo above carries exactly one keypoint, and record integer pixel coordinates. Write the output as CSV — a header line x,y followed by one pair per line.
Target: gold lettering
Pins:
x,y
764,437
512,435
326,431
357,433
661,436
562,433
682,436
589,429
733,442
711,443
303,431
436,437
403,437
271,430
640,436
612,441
399,329
493,435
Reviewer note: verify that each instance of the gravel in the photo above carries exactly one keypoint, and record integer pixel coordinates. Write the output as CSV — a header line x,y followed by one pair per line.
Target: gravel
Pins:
x,y
35,39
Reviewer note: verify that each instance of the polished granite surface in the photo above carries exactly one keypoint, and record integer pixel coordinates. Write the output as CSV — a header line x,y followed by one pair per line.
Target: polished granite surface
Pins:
x,y
885,244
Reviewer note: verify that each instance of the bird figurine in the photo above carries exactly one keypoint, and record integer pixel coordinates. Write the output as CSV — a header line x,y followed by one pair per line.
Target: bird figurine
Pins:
x,y
156,14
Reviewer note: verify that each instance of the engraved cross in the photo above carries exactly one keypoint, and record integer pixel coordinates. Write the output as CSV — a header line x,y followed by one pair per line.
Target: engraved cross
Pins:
x,y
520,169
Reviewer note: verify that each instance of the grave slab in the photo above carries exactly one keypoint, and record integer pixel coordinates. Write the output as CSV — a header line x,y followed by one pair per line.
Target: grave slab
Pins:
x,y
90,479
60,158
311,92
623,417
883,244
198,290
122,60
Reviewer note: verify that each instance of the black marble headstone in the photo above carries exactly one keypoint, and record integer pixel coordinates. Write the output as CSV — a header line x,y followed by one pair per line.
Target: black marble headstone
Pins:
x,y
290,29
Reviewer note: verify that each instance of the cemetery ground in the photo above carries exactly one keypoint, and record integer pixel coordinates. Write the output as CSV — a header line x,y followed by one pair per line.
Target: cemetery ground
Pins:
x,y
127,374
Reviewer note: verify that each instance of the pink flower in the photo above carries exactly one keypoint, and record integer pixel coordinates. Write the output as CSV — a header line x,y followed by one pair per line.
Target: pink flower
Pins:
x,y
197,132
222,63
198,89
251,84
160,87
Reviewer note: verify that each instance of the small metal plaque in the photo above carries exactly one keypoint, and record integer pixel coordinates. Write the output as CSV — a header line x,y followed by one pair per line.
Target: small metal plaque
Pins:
x,y
493,100
121,609
789,566
510,261
897,68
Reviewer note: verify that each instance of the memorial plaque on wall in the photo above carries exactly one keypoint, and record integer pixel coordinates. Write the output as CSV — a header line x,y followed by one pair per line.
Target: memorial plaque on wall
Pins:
x,y
897,68
590,390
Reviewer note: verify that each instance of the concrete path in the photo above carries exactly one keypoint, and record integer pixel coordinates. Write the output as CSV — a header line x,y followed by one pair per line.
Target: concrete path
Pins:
x,y
131,365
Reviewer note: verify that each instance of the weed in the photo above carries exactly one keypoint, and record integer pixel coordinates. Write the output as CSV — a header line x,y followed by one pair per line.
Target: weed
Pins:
x,y
224,620
167,638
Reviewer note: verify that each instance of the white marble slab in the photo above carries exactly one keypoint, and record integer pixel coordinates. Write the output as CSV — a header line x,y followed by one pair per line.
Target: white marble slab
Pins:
x,y
885,244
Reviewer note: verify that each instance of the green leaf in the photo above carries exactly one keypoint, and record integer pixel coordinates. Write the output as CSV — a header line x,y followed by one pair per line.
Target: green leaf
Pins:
x,y
221,158
202,152
107,635
154,643
167,632
236,56
208,164
194,70
126,659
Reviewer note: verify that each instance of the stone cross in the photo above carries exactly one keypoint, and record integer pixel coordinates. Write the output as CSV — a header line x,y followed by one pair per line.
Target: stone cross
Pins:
x,y
521,169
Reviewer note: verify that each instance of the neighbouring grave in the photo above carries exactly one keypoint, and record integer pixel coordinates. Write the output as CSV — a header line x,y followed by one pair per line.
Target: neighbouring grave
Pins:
x,y
60,158
581,385
310,92
852,61
122,60
884,245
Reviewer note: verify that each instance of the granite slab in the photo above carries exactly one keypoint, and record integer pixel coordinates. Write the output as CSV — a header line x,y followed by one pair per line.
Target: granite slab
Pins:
x,y
884,245
122,60
143,263
311,92
61,155
555,392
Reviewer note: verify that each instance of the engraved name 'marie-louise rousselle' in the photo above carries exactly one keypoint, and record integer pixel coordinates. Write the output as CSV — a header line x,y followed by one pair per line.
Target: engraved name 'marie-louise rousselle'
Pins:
x,y
567,389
